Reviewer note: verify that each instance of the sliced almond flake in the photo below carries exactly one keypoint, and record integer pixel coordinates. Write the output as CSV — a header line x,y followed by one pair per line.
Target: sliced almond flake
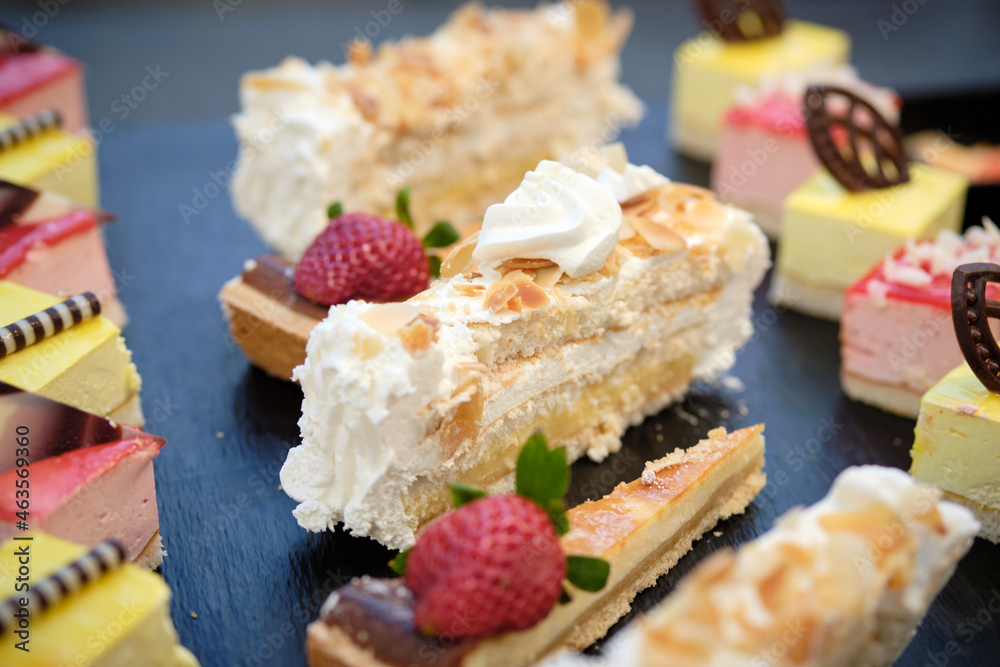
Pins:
x,y
548,276
658,236
419,335
526,263
389,318
627,232
460,257
499,294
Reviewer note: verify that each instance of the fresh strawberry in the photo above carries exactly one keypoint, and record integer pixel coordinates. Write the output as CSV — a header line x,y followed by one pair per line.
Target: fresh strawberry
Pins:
x,y
362,256
493,565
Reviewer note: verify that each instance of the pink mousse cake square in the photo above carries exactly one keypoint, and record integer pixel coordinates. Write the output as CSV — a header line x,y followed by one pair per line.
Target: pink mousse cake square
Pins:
x,y
90,479
54,245
34,78
764,152
896,334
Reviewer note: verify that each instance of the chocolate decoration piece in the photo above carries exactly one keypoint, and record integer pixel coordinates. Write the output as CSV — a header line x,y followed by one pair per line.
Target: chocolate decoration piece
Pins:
x,y
49,322
970,313
742,20
29,128
378,615
14,201
23,206
44,594
13,42
830,107
274,276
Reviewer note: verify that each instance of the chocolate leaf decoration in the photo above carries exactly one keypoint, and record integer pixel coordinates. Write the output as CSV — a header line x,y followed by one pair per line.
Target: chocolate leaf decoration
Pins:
x,y
859,147
403,207
398,564
462,494
588,574
970,313
742,20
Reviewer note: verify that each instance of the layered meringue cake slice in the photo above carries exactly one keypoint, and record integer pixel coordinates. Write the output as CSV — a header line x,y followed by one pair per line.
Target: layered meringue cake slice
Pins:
x,y
844,582
641,529
458,116
569,313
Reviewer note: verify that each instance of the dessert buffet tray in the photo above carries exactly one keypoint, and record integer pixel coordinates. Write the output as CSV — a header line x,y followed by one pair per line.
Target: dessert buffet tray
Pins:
x,y
247,579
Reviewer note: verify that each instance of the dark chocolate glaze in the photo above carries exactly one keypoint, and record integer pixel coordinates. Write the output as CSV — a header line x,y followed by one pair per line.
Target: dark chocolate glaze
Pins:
x,y
274,277
378,614
14,201
53,428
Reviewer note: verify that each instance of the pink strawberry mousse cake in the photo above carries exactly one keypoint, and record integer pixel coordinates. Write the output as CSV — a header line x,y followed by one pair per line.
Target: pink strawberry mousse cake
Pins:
x,y
35,77
764,151
896,334
91,479
54,245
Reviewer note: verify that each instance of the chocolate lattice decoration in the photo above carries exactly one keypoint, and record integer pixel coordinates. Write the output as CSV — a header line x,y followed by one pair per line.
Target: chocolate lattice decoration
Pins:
x,y
861,124
970,312
728,19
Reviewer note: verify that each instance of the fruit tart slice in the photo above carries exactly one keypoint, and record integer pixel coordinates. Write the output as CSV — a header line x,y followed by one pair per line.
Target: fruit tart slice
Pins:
x,y
481,585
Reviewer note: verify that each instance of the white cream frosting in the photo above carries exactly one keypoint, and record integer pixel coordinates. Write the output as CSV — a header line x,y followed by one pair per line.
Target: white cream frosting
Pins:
x,y
633,181
865,604
557,214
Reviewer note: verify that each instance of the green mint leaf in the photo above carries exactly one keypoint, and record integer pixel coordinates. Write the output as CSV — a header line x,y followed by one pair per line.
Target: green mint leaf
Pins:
x,y
441,235
542,474
557,512
335,210
464,493
434,267
398,564
588,574
403,207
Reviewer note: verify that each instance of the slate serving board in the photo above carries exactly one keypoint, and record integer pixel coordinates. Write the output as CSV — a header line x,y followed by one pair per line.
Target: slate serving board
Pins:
x,y
238,560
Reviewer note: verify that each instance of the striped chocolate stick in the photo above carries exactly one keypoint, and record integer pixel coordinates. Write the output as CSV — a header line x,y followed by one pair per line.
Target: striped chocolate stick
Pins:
x,y
29,127
34,328
51,590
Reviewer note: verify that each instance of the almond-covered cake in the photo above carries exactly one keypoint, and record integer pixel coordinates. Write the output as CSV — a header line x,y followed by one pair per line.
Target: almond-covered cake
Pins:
x,y
583,306
844,582
460,116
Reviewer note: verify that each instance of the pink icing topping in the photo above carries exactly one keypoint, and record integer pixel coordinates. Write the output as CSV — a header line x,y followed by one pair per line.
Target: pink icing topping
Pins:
x,y
23,73
16,241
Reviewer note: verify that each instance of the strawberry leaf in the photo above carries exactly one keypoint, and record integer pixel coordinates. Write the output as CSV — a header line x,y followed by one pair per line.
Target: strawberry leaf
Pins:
x,y
588,574
434,266
335,210
403,207
462,494
441,235
542,476
398,564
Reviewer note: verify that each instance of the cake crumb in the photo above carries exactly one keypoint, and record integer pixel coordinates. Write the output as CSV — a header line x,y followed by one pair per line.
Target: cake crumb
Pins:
x,y
648,475
717,533
659,437
967,409
742,409
724,413
281,488
220,435
732,383
194,615
658,427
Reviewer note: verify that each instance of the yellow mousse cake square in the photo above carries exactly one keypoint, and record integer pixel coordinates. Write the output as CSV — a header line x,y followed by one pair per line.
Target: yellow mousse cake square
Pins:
x,y
957,445
121,617
831,237
46,157
708,71
86,366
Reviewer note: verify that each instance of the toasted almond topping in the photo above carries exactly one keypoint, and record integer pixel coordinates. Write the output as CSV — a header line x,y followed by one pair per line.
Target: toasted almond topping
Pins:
x,y
470,290
524,263
530,294
628,231
359,52
419,334
591,17
388,318
367,105
635,201
548,276
460,257
499,294
658,236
